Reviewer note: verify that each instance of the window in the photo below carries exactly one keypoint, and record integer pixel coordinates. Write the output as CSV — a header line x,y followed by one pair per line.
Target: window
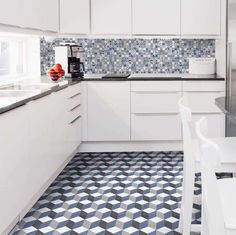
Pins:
x,y
19,57
12,57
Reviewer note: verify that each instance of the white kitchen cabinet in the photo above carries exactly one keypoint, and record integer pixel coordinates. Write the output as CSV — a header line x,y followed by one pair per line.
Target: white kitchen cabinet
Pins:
x,y
156,127
13,170
201,97
74,122
108,108
154,102
216,124
201,17
155,111
111,17
40,15
10,12
74,16
156,17
37,15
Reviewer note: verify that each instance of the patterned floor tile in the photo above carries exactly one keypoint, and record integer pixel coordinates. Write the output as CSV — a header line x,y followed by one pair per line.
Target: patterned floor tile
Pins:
x,y
112,193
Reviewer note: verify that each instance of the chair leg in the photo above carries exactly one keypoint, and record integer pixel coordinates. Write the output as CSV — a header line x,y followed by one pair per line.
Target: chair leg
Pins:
x,y
187,201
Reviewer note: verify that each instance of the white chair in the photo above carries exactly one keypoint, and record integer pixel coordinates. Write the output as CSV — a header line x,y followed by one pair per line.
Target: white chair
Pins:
x,y
218,196
192,166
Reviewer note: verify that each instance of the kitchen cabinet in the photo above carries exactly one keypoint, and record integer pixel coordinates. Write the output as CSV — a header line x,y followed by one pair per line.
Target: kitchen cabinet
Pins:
x,y
155,110
74,16
37,15
10,13
156,17
40,15
37,139
201,17
13,169
201,97
74,117
108,111
111,17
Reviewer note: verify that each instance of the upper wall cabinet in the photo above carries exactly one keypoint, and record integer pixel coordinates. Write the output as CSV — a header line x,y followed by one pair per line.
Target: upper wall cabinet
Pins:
x,y
156,17
201,17
74,16
40,14
10,13
31,14
111,17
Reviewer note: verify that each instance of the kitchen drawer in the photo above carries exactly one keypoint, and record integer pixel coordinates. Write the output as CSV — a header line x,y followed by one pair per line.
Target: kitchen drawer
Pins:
x,y
74,89
74,101
74,113
155,102
203,86
203,102
216,124
155,127
156,86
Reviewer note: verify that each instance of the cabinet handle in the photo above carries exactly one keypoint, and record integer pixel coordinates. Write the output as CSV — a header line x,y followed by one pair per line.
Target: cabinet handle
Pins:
x,y
75,120
73,96
74,108
156,92
203,91
156,114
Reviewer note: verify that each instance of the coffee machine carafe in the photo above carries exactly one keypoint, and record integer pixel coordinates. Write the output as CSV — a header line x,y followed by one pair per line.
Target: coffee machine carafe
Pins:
x,y
71,57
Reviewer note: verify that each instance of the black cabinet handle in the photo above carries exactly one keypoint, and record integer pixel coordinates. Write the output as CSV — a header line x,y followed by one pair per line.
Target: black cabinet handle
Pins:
x,y
75,120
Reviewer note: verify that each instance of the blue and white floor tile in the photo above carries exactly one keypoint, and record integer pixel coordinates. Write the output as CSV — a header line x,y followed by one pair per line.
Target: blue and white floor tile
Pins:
x,y
112,193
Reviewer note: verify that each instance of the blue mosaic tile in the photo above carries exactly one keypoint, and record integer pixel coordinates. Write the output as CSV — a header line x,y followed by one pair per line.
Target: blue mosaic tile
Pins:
x,y
133,55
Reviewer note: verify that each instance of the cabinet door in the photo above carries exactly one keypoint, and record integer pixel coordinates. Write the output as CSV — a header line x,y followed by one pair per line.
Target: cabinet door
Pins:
x,y
40,14
10,13
160,17
201,17
108,111
14,172
155,127
74,16
111,16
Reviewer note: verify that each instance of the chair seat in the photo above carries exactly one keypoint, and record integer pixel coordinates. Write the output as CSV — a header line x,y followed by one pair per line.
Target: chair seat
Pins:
x,y
227,192
226,145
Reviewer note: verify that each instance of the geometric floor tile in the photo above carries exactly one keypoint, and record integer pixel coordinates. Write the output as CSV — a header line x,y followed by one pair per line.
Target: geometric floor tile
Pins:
x,y
112,193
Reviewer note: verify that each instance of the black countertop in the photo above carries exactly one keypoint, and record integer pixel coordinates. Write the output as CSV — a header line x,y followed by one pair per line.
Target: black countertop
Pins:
x,y
155,77
37,95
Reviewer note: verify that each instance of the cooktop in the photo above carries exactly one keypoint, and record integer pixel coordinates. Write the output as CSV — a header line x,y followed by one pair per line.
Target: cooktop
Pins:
x,y
116,75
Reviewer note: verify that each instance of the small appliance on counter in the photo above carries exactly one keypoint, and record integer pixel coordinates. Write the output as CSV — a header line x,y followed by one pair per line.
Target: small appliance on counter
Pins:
x,y
202,66
71,57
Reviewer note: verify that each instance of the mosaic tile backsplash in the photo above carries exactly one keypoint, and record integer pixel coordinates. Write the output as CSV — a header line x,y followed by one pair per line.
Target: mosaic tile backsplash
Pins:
x,y
133,55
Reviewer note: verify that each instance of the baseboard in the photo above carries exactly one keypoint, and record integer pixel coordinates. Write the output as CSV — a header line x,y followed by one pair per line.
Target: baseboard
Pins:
x,y
129,146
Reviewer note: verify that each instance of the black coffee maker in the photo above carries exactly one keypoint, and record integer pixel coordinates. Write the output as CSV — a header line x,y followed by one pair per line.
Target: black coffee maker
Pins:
x,y
75,62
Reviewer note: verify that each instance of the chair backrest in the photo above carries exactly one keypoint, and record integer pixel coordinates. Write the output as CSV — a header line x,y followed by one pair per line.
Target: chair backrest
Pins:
x,y
188,141
210,160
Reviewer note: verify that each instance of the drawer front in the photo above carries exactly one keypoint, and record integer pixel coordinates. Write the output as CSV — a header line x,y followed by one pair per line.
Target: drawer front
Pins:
x,y
203,86
156,86
203,102
216,124
74,89
154,102
74,101
155,127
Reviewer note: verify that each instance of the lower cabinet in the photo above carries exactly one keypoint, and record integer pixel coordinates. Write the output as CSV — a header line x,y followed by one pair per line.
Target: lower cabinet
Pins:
x,y
155,111
36,140
14,172
155,127
108,111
